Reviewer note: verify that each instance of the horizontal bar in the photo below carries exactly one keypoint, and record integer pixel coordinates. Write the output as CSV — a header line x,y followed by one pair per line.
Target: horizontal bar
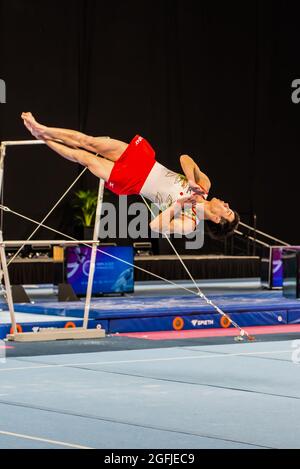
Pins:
x,y
46,243
264,234
23,142
31,142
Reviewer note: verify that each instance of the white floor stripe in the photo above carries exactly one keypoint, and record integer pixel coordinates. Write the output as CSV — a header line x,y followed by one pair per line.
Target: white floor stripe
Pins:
x,y
146,360
43,440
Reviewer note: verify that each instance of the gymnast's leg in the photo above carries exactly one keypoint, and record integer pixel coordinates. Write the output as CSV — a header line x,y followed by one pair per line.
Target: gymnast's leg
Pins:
x,y
100,167
108,148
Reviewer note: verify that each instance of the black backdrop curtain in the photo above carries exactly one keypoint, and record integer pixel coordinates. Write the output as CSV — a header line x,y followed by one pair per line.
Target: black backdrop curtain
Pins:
x,y
199,77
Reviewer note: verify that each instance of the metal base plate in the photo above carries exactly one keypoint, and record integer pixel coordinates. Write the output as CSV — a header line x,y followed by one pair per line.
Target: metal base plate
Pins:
x,y
58,334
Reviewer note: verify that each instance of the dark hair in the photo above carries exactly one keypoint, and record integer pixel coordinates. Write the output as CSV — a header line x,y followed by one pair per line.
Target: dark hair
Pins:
x,y
224,230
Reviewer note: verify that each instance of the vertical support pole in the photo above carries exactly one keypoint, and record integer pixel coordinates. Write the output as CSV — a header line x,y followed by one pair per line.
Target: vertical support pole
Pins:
x,y
93,255
9,297
2,156
255,233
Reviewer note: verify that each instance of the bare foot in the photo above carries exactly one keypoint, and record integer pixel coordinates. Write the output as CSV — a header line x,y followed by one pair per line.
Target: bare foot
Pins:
x,y
32,131
36,129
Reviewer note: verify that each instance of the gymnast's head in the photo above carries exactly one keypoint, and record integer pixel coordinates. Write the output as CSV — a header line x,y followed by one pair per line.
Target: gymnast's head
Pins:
x,y
221,220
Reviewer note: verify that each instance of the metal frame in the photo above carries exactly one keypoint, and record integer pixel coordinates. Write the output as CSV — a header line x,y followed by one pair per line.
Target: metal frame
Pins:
x,y
79,333
263,234
267,242
269,282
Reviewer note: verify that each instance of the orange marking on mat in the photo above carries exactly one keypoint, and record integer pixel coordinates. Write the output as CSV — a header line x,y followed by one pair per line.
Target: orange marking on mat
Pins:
x,y
70,325
178,324
225,323
19,329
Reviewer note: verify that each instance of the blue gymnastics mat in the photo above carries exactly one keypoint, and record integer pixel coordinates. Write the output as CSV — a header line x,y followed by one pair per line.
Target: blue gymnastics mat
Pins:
x,y
139,314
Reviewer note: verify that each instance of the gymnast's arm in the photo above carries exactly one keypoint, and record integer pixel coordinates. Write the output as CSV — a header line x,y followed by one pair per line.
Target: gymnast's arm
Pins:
x,y
194,175
171,221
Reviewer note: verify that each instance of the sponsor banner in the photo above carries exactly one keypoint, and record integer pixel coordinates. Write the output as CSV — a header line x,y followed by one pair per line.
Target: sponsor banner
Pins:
x,y
294,317
111,275
194,322
261,318
171,323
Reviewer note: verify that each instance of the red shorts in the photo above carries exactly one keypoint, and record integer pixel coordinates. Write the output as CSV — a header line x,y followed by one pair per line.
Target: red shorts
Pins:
x,y
130,172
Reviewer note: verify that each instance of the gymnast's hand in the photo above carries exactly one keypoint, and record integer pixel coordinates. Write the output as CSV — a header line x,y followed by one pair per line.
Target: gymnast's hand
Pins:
x,y
188,200
195,187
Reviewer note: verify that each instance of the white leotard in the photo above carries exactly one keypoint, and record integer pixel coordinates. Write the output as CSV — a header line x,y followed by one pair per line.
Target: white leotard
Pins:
x,y
164,187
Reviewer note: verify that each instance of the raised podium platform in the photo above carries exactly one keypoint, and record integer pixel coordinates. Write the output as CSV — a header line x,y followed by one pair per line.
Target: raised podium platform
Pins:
x,y
166,313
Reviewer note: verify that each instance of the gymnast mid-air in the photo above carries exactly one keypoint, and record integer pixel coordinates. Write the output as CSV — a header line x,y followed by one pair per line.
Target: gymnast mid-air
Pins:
x,y
132,169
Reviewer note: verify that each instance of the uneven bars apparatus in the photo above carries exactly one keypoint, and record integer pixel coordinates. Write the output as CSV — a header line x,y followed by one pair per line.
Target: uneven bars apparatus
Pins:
x,y
59,334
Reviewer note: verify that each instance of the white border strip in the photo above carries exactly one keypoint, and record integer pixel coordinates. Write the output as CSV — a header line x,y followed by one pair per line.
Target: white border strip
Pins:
x,y
146,360
43,440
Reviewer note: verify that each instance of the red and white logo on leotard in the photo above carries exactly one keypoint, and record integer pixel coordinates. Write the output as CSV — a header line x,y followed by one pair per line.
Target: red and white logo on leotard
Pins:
x,y
139,140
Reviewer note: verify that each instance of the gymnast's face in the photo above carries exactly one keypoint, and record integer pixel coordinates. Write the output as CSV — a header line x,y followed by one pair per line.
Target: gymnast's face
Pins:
x,y
221,211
